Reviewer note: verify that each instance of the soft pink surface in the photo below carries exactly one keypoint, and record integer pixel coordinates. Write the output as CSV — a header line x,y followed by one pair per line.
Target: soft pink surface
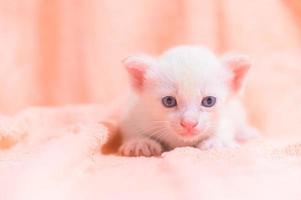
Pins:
x,y
61,159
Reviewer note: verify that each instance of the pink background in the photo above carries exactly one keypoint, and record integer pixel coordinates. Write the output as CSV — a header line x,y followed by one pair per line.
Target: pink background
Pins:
x,y
59,52
62,52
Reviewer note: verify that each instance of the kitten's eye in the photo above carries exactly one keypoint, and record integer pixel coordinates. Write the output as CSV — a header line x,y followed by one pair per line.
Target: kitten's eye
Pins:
x,y
208,101
169,101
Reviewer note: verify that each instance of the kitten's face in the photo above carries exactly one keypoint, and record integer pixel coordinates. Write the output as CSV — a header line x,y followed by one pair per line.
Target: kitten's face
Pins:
x,y
183,92
185,98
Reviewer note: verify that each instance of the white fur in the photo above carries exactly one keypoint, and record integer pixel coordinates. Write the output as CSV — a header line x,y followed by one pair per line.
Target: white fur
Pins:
x,y
188,73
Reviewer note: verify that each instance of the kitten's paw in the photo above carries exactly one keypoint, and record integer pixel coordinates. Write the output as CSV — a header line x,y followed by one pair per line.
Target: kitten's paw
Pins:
x,y
215,143
248,133
141,147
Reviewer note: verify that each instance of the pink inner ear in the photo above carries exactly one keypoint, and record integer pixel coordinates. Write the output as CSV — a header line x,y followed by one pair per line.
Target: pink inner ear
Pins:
x,y
137,75
239,65
239,75
137,67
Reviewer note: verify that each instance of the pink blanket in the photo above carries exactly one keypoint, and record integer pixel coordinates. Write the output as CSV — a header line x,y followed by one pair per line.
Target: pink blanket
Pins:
x,y
59,157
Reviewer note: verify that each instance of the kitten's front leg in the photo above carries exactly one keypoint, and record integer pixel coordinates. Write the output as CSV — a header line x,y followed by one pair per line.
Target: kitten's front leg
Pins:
x,y
216,142
140,146
223,136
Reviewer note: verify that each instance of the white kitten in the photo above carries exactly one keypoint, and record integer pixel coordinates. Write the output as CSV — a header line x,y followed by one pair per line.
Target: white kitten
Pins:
x,y
186,97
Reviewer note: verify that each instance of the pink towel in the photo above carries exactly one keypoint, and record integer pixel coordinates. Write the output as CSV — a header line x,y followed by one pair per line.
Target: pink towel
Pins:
x,y
59,157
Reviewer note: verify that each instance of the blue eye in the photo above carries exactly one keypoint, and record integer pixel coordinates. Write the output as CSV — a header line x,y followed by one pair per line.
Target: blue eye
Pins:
x,y
169,101
208,101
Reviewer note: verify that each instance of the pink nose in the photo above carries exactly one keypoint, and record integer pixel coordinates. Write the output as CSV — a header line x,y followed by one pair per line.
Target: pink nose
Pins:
x,y
188,124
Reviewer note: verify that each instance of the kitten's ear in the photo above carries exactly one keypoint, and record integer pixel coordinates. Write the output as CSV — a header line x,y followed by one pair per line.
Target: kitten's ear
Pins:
x,y
238,65
137,67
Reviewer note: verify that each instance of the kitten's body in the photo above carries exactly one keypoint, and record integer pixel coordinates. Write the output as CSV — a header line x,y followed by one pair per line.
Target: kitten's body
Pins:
x,y
189,74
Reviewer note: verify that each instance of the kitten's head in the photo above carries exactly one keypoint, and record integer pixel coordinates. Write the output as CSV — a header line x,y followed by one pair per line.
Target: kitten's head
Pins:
x,y
184,89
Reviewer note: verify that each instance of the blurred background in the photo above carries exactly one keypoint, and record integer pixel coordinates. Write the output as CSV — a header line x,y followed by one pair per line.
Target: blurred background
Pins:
x,y
58,52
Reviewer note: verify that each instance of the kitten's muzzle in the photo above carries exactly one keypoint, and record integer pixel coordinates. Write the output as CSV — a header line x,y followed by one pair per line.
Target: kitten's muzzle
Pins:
x,y
188,125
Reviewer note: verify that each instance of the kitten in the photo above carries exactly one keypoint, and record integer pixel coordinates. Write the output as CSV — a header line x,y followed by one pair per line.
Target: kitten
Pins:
x,y
185,97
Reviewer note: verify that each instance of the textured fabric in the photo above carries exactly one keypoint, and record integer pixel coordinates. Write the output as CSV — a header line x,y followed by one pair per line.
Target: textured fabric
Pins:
x,y
61,159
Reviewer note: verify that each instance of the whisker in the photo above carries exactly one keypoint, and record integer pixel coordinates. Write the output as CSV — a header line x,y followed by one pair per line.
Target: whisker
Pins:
x,y
158,132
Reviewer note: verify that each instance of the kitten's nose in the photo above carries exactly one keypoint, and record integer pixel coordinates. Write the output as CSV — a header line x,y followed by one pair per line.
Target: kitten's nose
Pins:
x,y
188,124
